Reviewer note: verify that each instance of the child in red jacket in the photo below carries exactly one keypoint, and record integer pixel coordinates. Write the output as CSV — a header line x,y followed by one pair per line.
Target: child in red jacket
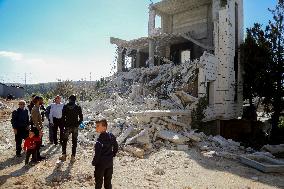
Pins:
x,y
30,146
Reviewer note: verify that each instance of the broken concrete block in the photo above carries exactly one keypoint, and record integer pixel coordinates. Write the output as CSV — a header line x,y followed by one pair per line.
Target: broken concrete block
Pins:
x,y
220,140
176,99
263,163
140,138
204,148
175,122
209,154
186,98
124,135
137,152
273,149
115,131
161,113
159,171
192,136
172,136
268,154
173,127
227,155
182,147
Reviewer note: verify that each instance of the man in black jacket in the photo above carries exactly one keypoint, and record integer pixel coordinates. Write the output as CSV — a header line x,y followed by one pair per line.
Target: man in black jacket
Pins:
x,y
72,117
106,148
20,123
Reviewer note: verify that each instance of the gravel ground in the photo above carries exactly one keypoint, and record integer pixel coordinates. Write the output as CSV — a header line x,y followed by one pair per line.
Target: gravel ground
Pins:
x,y
162,169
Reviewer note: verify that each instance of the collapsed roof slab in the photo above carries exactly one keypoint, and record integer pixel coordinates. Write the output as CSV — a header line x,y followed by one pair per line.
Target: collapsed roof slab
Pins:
x,y
162,39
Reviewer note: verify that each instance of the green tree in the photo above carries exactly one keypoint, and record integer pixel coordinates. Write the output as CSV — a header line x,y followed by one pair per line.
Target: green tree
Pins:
x,y
64,88
256,58
275,35
262,56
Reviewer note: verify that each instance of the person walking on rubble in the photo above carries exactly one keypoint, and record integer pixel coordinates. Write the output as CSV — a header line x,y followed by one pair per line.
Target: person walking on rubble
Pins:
x,y
55,119
106,148
72,117
37,124
20,124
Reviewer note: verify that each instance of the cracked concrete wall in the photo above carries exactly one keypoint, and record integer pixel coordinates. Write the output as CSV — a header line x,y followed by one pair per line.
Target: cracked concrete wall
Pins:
x,y
193,21
217,75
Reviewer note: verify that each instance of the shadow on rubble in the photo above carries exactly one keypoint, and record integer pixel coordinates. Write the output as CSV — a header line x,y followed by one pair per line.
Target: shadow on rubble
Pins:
x,y
236,168
51,150
17,173
11,161
59,176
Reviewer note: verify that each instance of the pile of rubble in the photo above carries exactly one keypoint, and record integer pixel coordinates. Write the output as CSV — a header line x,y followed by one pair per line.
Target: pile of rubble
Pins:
x,y
5,110
149,109
2,106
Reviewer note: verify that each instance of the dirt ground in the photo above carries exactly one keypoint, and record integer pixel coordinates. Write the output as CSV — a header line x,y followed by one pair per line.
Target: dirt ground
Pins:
x,y
163,169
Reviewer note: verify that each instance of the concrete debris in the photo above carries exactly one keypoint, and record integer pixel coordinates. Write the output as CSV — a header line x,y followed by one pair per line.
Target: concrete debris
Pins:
x,y
137,152
273,149
183,125
186,98
124,135
172,137
159,171
268,154
192,136
150,108
182,147
141,138
209,154
263,163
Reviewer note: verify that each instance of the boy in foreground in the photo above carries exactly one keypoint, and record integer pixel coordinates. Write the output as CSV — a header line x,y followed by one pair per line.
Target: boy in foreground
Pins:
x,y
106,148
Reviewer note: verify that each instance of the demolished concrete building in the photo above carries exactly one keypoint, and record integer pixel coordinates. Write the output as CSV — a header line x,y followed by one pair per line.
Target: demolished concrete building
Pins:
x,y
208,32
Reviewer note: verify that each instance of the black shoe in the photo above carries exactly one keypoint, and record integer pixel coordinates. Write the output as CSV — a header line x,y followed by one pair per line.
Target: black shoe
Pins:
x,y
42,145
32,162
18,155
40,158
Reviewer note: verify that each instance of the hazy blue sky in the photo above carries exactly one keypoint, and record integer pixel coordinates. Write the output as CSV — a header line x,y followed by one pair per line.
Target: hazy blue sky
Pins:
x,y
68,39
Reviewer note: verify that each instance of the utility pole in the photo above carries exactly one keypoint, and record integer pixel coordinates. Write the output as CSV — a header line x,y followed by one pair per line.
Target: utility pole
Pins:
x,y
25,79
90,76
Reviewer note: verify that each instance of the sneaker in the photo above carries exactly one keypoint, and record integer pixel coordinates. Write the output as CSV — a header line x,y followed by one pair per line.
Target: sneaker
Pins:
x,y
72,159
63,157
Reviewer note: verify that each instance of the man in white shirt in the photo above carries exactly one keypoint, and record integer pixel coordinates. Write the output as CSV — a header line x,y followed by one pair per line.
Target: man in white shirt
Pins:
x,y
55,119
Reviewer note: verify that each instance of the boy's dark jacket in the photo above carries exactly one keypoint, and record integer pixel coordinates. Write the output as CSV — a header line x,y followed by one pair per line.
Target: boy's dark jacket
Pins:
x,y
106,148
72,115
20,119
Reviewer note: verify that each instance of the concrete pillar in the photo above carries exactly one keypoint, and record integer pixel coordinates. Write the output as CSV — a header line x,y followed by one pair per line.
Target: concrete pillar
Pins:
x,y
151,28
151,21
120,59
138,59
151,52
240,67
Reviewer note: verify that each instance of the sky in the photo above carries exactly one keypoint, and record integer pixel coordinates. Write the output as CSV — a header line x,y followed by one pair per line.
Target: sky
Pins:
x,y
47,40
